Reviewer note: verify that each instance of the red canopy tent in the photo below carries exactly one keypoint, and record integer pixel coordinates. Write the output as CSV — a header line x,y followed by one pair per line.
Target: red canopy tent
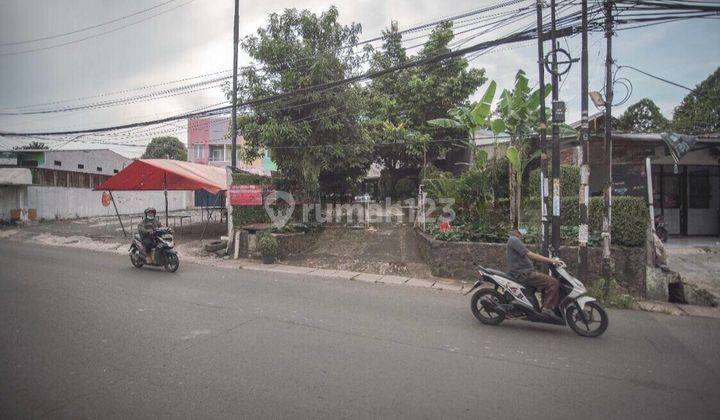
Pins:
x,y
166,175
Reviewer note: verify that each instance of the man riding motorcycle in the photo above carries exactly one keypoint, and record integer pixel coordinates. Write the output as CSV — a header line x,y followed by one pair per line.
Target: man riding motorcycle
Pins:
x,y
146,228
521,268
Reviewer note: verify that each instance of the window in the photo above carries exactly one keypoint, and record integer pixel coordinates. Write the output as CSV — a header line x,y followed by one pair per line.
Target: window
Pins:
x,y
115,171
217,153
58,163
198,151
699,186
99,169
81,166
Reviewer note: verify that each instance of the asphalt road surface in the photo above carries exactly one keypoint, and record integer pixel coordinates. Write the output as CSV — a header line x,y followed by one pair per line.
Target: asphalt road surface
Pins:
x,y
86,335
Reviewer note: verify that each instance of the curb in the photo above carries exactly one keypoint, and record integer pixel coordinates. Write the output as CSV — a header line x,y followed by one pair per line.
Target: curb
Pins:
x,y
395,280
676,309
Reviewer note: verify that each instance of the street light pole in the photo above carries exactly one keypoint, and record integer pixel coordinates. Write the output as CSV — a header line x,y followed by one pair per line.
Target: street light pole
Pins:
x,y
555,139
233,122
544,225
583,157
607,193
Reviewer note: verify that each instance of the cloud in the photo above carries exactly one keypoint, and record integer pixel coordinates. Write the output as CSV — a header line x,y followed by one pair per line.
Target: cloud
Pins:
x,y
197,39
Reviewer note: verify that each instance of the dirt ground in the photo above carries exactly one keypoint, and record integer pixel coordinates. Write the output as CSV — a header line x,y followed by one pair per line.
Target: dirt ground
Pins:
x,y
382,249
385,248
106,234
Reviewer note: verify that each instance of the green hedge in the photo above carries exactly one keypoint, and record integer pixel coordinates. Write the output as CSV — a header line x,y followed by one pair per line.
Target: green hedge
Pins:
x,y
569,181
629,218
244,215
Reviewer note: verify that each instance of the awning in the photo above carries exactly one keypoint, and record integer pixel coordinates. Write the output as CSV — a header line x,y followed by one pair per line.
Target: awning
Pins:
x,y
166,174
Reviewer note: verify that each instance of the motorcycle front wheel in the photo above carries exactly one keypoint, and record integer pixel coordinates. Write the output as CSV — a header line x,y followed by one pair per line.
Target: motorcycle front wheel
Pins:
x,y
483,314
135,259
593,324
172,263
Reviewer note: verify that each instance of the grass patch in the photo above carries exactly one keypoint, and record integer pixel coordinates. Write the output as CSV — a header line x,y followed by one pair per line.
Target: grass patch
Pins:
x,y
610,294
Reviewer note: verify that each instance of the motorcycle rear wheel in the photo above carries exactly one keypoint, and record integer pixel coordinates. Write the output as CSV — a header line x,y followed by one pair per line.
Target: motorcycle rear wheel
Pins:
x,y
597,317
172,263
482,314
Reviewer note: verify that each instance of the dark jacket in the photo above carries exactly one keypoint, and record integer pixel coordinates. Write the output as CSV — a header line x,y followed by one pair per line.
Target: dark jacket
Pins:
x,y
147,226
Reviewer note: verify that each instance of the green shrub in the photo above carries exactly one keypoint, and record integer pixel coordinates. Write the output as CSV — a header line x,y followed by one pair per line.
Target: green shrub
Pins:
x,y
613,297
629,220
267,244
245,215
569,181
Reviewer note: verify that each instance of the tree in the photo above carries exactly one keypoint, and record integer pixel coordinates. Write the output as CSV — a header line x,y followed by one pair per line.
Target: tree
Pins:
x,y
165,147
409,98
643,117
33,145
315,138
519,111
699,112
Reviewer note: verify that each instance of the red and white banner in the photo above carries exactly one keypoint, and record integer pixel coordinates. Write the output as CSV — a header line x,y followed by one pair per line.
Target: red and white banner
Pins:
x,y
246,195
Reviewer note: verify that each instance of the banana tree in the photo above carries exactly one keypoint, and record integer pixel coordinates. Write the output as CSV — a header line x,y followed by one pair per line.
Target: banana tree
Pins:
x,y
518,111
472,117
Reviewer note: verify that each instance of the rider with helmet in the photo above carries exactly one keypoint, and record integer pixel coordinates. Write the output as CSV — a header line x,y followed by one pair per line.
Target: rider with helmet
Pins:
x,y
147,227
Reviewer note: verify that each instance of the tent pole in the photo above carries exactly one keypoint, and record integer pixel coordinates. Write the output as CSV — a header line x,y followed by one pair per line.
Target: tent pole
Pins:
x,y
117,213
166,200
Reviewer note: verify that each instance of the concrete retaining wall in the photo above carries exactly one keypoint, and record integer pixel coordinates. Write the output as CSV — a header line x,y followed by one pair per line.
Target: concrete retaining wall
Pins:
x,y
455,260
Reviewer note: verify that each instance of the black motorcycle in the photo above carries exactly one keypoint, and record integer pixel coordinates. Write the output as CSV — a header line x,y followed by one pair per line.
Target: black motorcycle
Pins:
x,y
507,299
660,229
162,254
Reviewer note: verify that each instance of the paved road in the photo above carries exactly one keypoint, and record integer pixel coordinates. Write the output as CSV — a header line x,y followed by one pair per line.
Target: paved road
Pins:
x,y
85,335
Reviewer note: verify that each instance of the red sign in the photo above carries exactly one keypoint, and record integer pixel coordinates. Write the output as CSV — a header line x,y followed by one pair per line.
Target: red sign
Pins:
x,y
245,195
106,199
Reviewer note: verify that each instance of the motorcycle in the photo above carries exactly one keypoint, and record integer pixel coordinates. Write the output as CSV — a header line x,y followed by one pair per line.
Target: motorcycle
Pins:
x,y
507,299
162,254
660,229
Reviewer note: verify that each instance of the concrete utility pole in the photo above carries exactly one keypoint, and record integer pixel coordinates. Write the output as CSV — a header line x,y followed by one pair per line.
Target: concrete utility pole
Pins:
x,y
543,135
233,123
584,157
607,269
555,139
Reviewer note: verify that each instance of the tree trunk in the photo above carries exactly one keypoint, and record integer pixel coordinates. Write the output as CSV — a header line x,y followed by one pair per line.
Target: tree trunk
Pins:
x,y
513,198
518,200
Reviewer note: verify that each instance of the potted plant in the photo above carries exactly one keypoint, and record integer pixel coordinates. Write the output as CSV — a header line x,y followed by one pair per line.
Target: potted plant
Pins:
x,y
268,247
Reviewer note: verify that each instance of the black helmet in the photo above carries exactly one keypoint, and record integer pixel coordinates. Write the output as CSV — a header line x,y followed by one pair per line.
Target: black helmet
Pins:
x,y
150,210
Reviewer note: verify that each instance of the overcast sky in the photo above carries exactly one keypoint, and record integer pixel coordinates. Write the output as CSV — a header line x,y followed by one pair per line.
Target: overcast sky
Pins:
x,y
196,38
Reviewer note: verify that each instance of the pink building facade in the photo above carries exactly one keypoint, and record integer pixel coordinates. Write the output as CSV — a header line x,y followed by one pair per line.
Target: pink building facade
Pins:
x,y
209,144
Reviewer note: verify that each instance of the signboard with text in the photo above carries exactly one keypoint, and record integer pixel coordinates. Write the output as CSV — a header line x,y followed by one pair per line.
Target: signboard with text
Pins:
x,y
246,195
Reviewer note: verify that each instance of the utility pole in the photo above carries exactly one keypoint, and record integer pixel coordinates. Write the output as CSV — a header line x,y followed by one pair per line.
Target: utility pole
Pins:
x,y
543,135
555,139
584,157
607,269
233,123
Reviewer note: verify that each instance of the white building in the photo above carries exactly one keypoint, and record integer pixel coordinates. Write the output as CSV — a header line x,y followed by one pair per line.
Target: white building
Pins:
x,y
95,161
